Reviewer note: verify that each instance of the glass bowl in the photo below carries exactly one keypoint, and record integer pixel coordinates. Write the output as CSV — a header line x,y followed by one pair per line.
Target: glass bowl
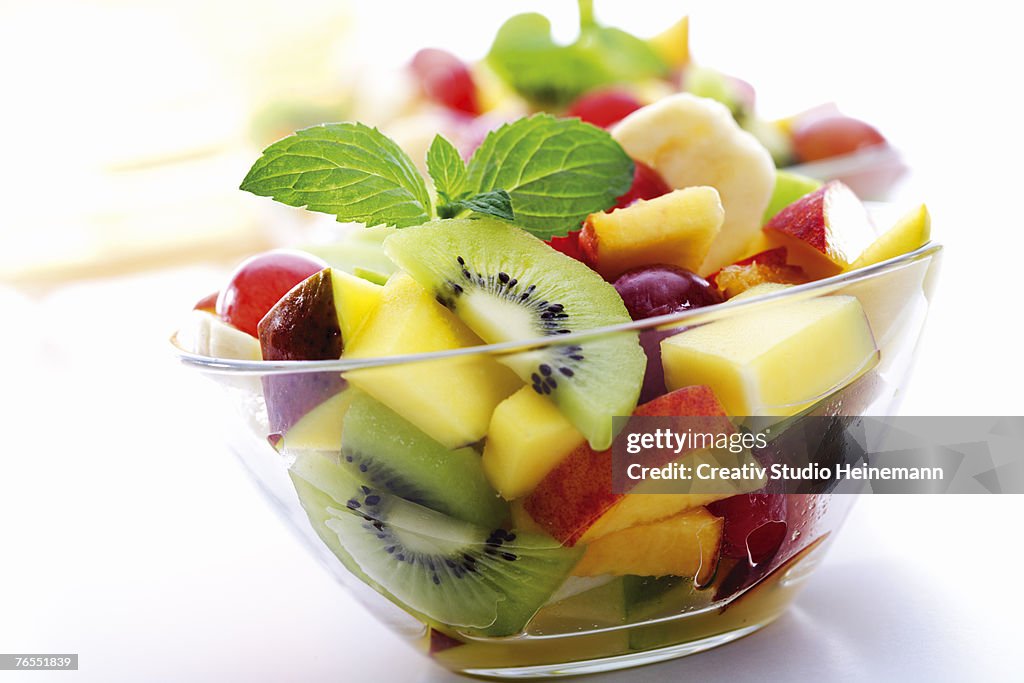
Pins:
x,y
485,593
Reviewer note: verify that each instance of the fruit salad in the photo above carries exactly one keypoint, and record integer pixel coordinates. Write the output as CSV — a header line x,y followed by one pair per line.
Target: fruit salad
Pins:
x,y
604,75
442,386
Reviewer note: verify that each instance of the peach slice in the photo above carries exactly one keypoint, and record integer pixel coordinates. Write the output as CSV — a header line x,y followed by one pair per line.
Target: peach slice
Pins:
x,y
688,544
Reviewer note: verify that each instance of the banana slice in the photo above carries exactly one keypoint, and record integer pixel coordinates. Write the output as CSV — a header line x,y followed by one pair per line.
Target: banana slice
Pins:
x,y
691,141
207,335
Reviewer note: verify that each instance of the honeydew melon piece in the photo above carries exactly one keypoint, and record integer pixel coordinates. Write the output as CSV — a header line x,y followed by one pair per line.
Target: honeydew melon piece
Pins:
x,y
775,361
450,399
527,438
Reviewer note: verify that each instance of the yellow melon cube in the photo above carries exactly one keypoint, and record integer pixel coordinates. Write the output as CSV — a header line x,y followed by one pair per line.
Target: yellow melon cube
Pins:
x,y
527,438
910,232
688,544
676,228
450,399
355,298
320,428
775,361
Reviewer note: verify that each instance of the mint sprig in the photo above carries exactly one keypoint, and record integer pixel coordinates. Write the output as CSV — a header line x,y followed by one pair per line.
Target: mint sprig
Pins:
x,y
556,171
527,58
346,169
546,174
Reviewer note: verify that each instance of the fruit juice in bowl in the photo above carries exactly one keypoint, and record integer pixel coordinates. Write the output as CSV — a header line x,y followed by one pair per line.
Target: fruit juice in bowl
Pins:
x,y
443,433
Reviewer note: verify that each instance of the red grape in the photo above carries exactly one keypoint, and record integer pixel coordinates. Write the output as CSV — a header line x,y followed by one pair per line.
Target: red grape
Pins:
x,y
604,108
259,282
832,136
660,290
755,525
446,80
647,184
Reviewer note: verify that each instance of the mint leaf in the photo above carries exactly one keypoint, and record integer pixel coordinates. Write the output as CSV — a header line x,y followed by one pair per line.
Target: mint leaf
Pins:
x,y
496,203
346,169
528,59
446,168
556,171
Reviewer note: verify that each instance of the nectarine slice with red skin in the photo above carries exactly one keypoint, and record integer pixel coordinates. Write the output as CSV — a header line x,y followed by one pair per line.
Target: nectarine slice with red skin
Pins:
x,y
825,231
573,500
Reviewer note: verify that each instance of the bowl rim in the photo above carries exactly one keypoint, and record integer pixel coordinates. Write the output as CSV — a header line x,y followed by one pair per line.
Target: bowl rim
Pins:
x,y
807,290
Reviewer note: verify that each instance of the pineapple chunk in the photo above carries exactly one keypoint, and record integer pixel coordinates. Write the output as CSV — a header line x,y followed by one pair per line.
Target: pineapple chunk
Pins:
x,y
527,438
677,228
450,399
776,361
688,544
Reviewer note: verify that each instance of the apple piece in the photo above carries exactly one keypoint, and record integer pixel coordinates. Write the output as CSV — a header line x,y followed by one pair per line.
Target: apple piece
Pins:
x,y
303,325
789,187
675,229
766,267
259,282
527,438
450,399
692,141
910,232
775,361
320,428
575,502
688,545
825,232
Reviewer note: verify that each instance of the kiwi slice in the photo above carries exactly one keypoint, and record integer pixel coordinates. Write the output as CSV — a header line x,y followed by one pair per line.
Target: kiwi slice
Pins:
x,y
507,285
460,575
387,452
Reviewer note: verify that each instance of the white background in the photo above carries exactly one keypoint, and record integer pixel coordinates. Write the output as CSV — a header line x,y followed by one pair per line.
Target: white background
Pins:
x,y
128,534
